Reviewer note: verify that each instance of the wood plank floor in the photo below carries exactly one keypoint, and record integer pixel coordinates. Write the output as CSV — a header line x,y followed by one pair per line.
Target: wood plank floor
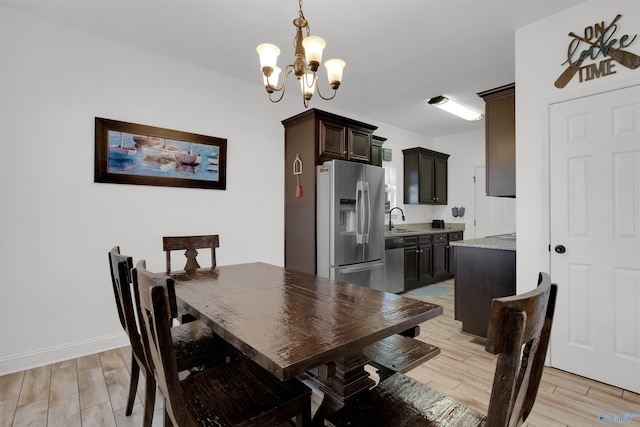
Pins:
x,y
91,391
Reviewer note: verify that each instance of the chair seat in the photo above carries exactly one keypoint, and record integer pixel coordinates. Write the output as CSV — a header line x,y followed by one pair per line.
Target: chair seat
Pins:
x,y
241,394
400,401
196,344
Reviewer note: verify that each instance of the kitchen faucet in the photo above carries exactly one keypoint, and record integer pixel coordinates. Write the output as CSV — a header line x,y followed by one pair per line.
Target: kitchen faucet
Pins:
x,y
391,210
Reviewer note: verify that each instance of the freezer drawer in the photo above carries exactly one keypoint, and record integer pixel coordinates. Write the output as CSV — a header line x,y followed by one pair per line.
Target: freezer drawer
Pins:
x,y
368,274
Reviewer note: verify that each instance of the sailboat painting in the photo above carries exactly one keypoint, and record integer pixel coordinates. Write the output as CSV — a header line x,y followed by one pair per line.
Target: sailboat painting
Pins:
x,y
138,154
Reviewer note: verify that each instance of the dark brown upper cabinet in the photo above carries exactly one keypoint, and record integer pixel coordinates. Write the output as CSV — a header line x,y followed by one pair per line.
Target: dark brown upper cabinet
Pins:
x,y
500,136
376,150
344,139
425,177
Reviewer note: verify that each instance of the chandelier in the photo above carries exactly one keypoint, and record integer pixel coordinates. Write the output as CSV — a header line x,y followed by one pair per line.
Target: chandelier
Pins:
x,y
308,51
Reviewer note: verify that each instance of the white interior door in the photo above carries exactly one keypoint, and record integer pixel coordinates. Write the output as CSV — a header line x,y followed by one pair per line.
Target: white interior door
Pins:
x,y
595,217
493,215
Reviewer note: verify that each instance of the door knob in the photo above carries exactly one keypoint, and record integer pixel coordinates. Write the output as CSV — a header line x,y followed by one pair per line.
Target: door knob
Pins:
x,y
560,249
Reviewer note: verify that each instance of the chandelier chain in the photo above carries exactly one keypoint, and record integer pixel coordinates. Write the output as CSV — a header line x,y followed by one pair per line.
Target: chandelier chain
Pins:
x,y
301,14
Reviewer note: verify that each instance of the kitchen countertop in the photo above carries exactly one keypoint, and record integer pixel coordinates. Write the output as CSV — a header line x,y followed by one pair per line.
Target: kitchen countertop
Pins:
x,y
505,242
416,229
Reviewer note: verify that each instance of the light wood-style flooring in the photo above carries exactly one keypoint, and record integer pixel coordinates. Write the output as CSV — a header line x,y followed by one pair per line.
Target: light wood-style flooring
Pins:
x,y
91,391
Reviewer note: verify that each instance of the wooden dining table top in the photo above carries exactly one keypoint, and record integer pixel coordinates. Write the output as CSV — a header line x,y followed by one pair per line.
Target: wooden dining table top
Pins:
x,y
290,322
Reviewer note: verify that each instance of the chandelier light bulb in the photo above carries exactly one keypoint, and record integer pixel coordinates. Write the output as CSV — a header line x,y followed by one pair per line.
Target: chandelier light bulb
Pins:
x,y
271,82
334,71
268,56
308,85
313,46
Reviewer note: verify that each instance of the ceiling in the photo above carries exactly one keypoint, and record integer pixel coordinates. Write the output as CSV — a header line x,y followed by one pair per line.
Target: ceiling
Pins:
x,y
398,52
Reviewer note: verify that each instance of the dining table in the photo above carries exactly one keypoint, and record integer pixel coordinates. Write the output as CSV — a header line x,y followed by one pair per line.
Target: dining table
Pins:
x,y
292,323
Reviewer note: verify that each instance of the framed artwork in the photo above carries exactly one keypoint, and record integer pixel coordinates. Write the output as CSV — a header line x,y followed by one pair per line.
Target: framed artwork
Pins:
x,y
128,153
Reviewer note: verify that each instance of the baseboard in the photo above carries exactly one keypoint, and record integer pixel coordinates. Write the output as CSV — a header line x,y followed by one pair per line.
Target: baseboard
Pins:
x,y
32,359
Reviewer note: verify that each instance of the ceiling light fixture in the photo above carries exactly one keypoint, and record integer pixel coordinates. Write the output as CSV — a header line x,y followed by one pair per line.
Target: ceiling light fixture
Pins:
x,y
453,107
308,53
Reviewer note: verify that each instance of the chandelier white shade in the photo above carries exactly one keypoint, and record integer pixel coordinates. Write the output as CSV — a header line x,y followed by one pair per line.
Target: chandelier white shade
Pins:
x,y
308,56
453,107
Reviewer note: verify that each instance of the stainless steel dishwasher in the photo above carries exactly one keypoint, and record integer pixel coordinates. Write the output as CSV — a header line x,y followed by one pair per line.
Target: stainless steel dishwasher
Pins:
x,y
394,264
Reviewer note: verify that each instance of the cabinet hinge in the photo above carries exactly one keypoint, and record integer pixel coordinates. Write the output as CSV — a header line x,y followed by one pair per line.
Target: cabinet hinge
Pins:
x,y
474,179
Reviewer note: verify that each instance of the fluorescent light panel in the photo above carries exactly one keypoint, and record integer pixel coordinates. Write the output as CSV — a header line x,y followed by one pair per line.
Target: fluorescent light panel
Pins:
x,y
453,107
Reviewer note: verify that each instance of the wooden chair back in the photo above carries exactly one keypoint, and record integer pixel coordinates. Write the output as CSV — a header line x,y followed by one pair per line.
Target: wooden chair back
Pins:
x,y
190,244
154,313
121,266
519,330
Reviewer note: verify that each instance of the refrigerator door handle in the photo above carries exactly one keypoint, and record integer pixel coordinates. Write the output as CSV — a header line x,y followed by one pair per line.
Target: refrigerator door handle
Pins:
x,y
359,267
359,212
368,219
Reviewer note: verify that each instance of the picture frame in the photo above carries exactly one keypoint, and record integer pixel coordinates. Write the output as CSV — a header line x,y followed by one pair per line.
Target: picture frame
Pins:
x,y
129,153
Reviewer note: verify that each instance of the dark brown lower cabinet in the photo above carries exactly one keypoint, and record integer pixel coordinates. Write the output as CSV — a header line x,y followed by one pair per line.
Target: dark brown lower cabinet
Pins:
x,y
428,259
439,255
481,275
417,261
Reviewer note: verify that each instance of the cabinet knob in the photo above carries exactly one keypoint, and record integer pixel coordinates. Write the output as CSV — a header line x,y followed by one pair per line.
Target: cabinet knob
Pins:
x,y
560,249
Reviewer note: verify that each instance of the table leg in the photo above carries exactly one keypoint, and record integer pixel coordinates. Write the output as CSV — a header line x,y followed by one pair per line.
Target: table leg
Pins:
x,y
341,381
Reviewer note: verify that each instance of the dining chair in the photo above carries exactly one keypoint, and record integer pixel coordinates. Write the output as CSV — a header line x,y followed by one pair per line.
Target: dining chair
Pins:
x,y
239,393
519,329
194,343
121,266
190,244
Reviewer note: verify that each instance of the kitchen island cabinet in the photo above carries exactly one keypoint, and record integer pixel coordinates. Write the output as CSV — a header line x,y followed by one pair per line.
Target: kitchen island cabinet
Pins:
x,y
485,269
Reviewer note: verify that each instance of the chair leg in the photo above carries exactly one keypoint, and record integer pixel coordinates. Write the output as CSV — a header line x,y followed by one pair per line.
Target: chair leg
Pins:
x,y
149,399
303,419
133,384
167,419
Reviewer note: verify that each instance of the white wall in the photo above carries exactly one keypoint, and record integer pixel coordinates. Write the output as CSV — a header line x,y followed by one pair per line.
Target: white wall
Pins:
x,y
466,150
57,225
540,50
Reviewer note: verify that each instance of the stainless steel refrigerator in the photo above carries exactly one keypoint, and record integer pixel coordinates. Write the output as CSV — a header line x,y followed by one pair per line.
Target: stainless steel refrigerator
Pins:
x,y
350,223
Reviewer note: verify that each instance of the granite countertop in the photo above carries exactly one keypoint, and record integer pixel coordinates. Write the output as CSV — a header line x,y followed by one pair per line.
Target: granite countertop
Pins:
x,y
401,229
505,242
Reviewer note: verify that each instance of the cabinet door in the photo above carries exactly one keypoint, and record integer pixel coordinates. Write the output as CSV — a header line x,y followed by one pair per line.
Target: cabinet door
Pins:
x,y
427,174
501,147
332,141
439,258
451,252
359,145
500,134
451,260
376,150
440,181
425,268
410,267
425,263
